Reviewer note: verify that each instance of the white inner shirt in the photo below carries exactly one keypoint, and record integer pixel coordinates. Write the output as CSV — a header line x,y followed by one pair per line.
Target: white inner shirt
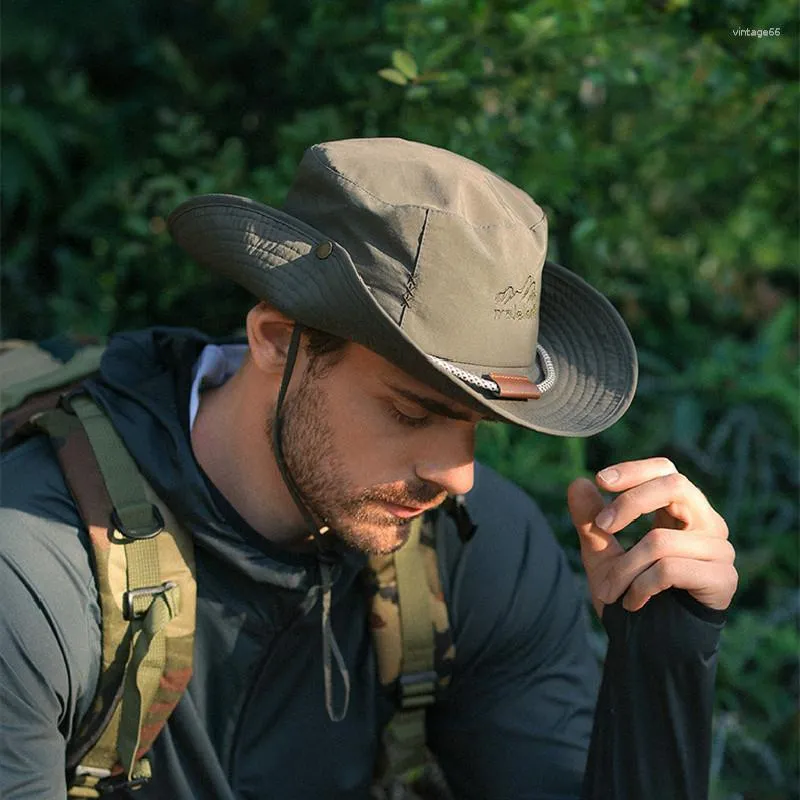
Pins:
x,y
216,364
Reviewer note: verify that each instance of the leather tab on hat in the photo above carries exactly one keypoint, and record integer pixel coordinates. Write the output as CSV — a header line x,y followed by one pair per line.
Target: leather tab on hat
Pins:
x,y
515,387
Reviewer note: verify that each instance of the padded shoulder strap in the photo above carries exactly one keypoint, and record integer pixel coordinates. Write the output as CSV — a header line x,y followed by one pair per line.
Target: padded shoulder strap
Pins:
x,y
27,370
144,569
413,641
31,381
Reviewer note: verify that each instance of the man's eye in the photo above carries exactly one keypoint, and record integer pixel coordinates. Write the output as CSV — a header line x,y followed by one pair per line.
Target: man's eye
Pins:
x,y
409,421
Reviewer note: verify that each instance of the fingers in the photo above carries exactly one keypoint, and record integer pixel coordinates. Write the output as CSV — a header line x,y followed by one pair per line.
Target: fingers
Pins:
x,y
669,491
687,550
619,477
657,545
710,582
585,503
597,546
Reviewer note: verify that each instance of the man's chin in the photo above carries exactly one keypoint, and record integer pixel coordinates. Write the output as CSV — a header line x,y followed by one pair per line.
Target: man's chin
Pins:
x,y
376,539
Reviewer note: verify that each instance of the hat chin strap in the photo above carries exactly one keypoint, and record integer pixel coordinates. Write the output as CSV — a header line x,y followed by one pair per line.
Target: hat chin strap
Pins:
x,y
277,443
330,648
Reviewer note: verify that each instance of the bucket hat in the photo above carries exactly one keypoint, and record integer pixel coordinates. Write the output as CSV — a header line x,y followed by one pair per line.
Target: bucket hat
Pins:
x,y
438,265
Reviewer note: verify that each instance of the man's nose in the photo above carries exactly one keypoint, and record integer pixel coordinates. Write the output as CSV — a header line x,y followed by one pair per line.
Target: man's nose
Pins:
x,y
453,470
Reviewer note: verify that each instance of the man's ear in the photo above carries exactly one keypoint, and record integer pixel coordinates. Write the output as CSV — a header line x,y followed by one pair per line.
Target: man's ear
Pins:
x,y
268,334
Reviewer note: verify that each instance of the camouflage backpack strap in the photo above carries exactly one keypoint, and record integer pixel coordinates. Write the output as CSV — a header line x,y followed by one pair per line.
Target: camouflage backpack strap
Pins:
x,y
413,645
144,569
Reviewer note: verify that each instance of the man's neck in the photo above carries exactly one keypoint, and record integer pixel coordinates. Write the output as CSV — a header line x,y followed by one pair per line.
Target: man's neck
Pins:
x,y
231,443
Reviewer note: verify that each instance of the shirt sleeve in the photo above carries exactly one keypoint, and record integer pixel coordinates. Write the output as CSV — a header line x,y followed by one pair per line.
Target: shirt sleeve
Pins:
x,y
523,703
33,687
517,717
652,729
49,630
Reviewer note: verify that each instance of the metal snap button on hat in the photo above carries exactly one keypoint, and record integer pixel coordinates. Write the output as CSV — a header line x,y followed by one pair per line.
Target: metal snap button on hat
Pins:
x,y
324,250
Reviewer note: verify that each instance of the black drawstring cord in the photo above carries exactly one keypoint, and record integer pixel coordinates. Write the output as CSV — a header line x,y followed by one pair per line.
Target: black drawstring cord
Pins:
x,y
329,645
456,507
277,439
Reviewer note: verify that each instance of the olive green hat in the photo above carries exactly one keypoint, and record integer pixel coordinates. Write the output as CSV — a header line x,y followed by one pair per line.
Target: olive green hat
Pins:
x,y
436,264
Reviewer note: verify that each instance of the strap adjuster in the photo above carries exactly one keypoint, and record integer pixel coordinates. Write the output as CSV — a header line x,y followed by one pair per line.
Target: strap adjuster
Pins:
x,y
131,595
417,689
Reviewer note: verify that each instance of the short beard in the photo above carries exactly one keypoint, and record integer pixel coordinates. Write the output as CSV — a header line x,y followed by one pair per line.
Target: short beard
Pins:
x,y
321,477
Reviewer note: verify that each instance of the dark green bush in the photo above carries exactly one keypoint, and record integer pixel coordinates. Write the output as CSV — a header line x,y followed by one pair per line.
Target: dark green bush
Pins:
x,y
663,147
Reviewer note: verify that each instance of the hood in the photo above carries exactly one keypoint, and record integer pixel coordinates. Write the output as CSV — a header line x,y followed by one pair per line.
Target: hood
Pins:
x,y
144,386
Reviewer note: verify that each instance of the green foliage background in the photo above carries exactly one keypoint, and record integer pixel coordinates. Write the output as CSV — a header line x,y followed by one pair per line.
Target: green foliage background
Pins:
x,y
662,146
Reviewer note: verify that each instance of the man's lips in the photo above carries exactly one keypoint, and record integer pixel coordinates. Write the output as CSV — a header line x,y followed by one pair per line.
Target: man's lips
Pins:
x,y
404,512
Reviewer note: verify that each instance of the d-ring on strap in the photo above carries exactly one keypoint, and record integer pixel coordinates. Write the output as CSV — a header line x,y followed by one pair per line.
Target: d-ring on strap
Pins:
x,y
137,518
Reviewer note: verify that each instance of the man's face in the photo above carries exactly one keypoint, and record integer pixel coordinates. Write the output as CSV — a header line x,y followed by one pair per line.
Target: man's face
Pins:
x,y
371,448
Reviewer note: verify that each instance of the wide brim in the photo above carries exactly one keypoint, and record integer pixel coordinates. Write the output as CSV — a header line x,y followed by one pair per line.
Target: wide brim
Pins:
x,y
275,257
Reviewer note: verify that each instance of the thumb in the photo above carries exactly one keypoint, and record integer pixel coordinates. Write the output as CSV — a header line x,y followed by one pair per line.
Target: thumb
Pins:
x,y
585,503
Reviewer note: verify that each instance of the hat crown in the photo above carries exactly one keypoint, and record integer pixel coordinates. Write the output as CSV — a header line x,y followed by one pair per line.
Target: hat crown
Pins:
x,y
403,173
451,251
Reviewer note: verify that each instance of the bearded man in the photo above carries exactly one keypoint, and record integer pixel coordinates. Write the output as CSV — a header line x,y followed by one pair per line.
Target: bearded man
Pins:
x,y
403,296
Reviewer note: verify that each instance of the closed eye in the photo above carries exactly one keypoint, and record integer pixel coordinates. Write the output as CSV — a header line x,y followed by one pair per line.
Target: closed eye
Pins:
x,y
408,420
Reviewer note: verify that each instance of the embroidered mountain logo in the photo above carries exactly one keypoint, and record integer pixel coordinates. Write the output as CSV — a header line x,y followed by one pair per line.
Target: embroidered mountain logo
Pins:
x,y
514,303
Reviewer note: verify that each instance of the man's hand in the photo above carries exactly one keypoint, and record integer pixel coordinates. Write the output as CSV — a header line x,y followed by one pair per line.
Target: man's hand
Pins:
x,y
688,547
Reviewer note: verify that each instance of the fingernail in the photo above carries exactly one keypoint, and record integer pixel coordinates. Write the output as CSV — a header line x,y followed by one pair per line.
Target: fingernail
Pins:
x,y
605,518
629,605
609,475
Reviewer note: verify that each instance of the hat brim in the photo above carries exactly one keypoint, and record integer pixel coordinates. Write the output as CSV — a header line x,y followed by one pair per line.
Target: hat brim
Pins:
x,y
275,257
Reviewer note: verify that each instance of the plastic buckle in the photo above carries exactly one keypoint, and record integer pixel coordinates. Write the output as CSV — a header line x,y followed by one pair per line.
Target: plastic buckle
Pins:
x,y
139,533
130,595
117,782
417,689
107,782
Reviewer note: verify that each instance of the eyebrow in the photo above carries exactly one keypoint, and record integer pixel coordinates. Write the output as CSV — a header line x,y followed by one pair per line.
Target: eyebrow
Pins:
x,y
437,407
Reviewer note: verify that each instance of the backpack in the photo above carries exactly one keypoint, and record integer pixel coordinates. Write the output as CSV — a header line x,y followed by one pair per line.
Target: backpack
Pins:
x,y
144,570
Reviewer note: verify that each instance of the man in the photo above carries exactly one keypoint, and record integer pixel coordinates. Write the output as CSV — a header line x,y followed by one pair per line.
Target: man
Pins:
x,y
404,297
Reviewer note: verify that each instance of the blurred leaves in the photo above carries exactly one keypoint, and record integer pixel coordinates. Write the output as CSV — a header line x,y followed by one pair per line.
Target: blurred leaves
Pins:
x,y
662,147
404,63
393,76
